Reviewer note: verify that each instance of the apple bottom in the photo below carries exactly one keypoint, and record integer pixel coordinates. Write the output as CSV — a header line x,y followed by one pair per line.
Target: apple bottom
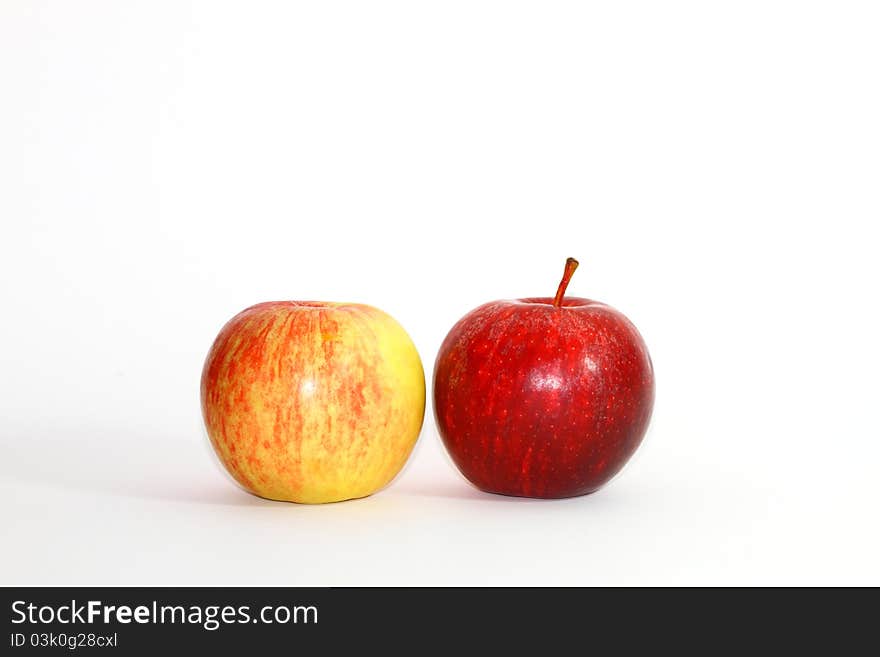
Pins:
x,y
541,467
536,496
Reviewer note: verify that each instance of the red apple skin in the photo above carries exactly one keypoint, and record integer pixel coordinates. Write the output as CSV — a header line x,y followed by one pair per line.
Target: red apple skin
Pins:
x,y
536,400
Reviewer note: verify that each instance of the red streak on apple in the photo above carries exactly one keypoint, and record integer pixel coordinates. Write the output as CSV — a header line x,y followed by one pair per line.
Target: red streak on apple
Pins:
x,y
543,397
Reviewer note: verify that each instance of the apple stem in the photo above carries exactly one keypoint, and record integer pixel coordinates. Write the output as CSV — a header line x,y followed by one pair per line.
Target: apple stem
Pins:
x,y
570,265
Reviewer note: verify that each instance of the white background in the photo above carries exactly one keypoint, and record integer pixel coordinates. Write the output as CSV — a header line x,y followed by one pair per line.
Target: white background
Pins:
x,y
714,167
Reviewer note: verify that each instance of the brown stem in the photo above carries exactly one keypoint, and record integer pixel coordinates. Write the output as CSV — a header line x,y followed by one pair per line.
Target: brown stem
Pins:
x,y
570,265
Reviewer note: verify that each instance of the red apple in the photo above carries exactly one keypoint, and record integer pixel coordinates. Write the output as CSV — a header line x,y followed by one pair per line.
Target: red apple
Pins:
x,y
543,397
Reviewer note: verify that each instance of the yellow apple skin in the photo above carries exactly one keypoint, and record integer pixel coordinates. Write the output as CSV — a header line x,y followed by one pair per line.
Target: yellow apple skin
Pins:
x,y
313,402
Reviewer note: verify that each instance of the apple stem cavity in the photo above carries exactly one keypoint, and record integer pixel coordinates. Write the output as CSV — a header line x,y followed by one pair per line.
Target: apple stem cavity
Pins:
x,y
570,265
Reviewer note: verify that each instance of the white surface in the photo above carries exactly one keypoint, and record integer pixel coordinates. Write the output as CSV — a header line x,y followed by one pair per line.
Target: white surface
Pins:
x,y
714,167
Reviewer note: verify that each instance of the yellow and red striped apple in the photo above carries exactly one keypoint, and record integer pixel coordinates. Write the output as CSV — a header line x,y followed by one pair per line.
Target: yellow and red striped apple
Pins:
x,y
313,402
